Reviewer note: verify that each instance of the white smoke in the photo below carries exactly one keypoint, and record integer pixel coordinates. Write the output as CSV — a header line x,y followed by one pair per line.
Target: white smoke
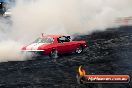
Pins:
x,y
9,51
30,18
67,16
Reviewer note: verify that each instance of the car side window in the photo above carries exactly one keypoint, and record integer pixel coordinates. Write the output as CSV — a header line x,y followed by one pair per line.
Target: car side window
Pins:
x,y
63,39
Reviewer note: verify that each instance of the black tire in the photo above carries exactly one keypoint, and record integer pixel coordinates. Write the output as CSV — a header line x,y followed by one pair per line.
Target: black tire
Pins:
x,y
79,50
54,54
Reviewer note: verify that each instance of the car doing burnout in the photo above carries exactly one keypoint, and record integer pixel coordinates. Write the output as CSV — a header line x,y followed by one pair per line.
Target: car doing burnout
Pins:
x,y
53,45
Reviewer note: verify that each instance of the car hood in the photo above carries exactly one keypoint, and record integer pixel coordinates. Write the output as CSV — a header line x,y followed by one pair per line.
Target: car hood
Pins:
x,y
35,46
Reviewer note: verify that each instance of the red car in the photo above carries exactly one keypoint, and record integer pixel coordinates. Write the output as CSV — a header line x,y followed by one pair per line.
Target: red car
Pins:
x,y
53,45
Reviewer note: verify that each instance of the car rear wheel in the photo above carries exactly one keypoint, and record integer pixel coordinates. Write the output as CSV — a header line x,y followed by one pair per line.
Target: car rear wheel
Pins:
x,y
54,54
79,50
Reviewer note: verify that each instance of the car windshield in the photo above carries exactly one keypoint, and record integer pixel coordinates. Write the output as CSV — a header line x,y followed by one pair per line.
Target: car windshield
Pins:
x,y
43,40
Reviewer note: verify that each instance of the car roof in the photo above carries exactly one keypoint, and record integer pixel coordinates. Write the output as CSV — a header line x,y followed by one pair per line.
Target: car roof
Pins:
x,y
53,36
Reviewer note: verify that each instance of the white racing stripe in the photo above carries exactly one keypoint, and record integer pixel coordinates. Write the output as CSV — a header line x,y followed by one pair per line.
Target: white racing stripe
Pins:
x,y
34,46
32,50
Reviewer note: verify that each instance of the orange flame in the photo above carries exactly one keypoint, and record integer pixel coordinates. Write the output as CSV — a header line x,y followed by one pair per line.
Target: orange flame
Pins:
x,y
81,71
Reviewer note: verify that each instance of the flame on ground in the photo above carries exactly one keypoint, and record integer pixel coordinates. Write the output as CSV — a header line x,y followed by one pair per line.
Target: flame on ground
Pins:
x,y
81,71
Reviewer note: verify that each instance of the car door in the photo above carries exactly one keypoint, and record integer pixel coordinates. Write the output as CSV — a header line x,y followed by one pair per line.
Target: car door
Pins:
x,y
71,45
63,45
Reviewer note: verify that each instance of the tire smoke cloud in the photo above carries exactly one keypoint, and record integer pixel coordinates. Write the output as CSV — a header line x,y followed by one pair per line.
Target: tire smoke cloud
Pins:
x,y
30,18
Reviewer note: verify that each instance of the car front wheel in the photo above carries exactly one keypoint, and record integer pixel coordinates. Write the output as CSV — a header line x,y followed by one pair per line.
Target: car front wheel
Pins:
x,y
79,50
54,54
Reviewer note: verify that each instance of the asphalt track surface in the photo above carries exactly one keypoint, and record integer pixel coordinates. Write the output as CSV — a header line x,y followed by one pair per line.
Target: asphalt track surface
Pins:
x,y
109,52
